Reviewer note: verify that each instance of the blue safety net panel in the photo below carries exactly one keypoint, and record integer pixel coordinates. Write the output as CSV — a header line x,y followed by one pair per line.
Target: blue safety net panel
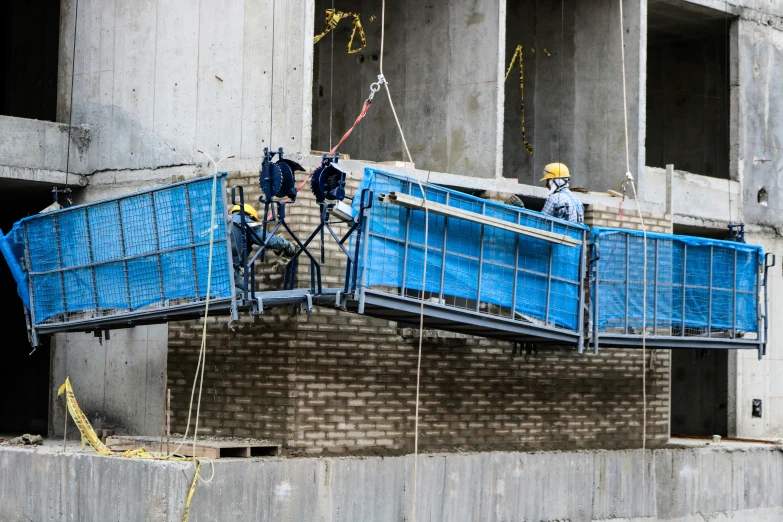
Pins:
x,y
12,247
145,251
470,266
696,287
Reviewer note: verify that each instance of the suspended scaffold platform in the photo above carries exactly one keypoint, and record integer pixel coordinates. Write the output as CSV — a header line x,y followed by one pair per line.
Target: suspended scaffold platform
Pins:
x,y
491,270
701,293
117,263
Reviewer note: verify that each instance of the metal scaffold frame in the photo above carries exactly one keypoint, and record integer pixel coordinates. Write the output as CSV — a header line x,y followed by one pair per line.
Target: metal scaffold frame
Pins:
x,y
151,208
682,307
495,271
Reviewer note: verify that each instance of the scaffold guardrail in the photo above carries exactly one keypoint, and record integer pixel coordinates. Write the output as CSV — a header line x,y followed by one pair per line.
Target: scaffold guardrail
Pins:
x,y
115,263
701,293
480,279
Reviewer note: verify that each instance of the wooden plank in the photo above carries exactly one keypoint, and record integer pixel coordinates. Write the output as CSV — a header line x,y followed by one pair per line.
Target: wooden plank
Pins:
x,y
415,203
204,449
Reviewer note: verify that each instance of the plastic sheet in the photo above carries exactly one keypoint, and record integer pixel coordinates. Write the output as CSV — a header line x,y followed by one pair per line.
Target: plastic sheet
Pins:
x,y
12,247
475,270
719,278
143,251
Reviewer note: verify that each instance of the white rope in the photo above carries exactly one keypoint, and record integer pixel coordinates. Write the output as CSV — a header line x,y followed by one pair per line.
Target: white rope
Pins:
x,y
644,269
644,341
423,278
202,355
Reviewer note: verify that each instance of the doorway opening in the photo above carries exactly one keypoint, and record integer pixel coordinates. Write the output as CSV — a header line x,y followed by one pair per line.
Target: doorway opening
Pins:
x,y
699,392
24,376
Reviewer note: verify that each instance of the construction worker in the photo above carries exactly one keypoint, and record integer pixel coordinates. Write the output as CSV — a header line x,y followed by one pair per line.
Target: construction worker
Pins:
x,y
561,203
284,249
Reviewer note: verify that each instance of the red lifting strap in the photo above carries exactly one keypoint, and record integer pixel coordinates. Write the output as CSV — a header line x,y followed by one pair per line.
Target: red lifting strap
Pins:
x,y
361,116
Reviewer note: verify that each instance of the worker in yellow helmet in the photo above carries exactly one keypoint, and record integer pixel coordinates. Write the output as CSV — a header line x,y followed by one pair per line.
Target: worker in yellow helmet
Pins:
x,y
561,203
283,248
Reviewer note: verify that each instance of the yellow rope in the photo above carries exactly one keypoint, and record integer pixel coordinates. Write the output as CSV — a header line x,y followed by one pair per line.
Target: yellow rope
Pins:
x,y
518,54
88,434
333,18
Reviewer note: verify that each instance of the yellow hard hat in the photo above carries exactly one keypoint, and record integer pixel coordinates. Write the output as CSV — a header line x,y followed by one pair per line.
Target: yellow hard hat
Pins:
x,y
555,171
249,210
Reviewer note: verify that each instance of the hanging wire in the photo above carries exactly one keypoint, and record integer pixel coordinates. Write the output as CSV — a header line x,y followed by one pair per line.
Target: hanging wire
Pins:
x,y
424,273
70,108
272,89
727,106
331,85
630,178
560,100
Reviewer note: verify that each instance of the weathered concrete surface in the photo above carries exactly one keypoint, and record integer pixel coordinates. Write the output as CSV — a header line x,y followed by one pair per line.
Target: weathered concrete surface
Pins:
x,y
689,194
682,484
36,150
120,384
441,60
760,111
750,378
156,82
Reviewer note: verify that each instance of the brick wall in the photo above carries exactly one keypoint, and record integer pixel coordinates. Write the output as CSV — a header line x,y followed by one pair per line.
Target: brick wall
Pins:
x,y
344,383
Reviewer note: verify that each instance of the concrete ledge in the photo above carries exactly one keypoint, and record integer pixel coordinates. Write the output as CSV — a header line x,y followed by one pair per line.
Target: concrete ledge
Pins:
x,y
30,175
682,484
696,200
42,145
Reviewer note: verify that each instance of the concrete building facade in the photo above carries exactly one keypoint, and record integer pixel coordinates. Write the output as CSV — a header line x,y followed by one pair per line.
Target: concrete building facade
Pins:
x,y
134,90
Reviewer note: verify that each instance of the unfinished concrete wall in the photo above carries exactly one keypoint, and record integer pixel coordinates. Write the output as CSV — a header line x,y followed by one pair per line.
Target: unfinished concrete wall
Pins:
x,y
441,60
119,383
153,83
750,378
760,111
686,485
573,90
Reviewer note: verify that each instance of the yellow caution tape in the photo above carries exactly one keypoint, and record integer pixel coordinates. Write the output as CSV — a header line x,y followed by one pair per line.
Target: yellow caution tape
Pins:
x,y
518,53
333,17
85,428
192,491
88,434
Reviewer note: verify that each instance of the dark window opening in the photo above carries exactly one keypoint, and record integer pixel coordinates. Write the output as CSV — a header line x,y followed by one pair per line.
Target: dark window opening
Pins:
x,y
29,43
24,377
688,88
700,392
763,197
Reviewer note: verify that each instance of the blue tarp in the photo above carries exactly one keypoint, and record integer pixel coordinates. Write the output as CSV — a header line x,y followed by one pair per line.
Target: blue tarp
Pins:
x,y
724,300
12,247
466,265
117,256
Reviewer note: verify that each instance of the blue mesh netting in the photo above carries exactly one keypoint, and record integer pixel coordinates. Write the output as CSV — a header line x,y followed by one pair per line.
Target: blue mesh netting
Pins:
x,y
12,247
455,273
113,257
719,279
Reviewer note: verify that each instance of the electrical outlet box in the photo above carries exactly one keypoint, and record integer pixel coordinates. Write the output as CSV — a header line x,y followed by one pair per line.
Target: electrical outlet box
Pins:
x,y
757,408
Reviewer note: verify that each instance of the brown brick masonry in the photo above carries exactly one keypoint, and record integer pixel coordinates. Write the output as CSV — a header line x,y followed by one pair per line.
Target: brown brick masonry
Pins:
x,y
343,383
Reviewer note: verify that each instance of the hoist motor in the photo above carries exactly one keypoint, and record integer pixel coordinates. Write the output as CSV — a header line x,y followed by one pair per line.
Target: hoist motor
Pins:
x,y
277,176
328,181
